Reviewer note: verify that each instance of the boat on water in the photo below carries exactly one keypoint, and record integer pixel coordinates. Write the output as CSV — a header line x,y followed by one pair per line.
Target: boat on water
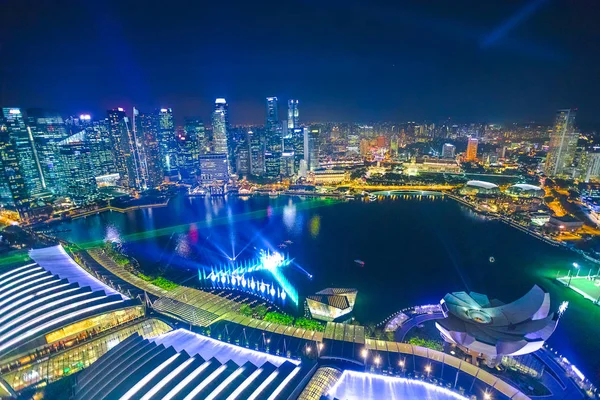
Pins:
x,y
288,242
360,262
282,246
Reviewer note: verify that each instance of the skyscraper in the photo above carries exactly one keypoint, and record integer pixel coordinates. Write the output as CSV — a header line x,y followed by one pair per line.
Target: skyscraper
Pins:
x,y
471,153
47,129
293,120
311,151
11,168
273,127
76,169
101,149
220,126
448,150
151,159
22,141
563,143
167,141
195,127
298,138
124,149
257,153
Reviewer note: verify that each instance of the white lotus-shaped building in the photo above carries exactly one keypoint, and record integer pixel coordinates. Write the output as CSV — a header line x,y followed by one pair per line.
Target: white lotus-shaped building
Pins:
x,y
494,329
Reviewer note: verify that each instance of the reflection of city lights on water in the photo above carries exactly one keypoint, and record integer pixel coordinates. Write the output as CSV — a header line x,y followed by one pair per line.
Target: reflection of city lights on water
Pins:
x,y
183,247
315,226
289,215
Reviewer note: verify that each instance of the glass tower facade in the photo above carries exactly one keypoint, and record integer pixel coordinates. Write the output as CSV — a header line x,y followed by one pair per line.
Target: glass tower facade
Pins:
x,y
76,169
220,126
167,141
563,144
124,149
293,120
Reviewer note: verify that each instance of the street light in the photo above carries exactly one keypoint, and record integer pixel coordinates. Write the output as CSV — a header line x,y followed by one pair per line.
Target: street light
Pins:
x,y
571,275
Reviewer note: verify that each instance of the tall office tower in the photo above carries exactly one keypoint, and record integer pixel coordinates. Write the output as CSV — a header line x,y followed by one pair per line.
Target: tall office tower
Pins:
x,y
293,120
151,158
272,165
76,178
189,151
195,126
167,140
312,148
47,129
243,158
563,143
274,142
448,150
220,127
298,138
471,153
591,167
100,143
124,149
287,154
257,153
20,136
11,169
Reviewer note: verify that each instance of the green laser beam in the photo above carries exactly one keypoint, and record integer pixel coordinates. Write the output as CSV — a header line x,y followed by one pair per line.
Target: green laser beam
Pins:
x,y
257,214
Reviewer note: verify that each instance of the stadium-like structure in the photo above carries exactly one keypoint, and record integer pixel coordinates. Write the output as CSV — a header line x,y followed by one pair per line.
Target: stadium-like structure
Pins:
x,y
491,329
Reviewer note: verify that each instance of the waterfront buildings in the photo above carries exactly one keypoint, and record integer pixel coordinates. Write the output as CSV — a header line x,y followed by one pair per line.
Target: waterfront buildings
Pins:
x,y
525,190
220,127
152,160
257,153
76,169
563,144
471,153
491,329
480,188
214,171
430,164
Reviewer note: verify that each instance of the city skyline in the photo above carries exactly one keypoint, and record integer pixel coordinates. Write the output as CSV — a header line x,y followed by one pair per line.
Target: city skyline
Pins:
x,y
403,68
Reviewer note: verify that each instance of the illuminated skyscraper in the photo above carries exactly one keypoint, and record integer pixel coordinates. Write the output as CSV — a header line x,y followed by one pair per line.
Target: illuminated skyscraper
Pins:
x,y
471,153
563,143
124,149
166,141
150,156
274,142
11,169
293,120
47,129
220,126
100,143
298,138
311,150
257,153
22,141
76,169
448,150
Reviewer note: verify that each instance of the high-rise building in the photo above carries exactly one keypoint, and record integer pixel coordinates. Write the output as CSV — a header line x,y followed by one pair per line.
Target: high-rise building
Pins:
x,y
22,141
257,153
272,165
563,144
167,141
298,138
243,158
274,140
11,169
195,127
47,129
448,150
592,170
124,149
151,160
100,144
311,151
471,153
76,169
189,151
293,120
220,126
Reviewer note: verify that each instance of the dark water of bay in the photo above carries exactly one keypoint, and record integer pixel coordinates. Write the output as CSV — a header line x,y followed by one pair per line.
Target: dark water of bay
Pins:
x,y
415,251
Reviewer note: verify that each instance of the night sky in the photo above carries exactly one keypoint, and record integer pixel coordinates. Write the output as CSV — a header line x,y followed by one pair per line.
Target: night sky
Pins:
x,y
489,61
